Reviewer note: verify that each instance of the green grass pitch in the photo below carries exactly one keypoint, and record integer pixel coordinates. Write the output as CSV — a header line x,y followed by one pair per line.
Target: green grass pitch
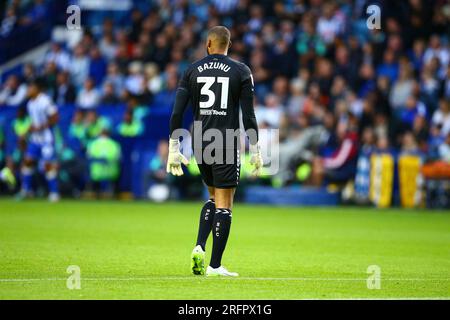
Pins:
x,y
139,250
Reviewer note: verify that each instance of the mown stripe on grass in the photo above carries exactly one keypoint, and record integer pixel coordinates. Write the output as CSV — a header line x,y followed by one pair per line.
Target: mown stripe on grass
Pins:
x,y
168,278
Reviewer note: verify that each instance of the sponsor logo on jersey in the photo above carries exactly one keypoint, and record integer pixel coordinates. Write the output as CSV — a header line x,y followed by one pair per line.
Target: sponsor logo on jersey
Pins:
x,y
209,112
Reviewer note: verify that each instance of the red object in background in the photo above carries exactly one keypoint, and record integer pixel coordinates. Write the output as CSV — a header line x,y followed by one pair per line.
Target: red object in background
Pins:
x,y
436,170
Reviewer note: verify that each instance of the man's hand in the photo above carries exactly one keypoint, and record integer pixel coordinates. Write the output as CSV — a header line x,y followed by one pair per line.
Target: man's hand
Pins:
x,y
37,128
175,159
256,159
33,129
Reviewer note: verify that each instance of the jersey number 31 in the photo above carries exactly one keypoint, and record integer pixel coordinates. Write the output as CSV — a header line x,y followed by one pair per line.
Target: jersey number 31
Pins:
x,y
206,91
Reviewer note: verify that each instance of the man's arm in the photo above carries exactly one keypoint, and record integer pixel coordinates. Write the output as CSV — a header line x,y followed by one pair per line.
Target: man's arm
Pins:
x,y
181,101
175,157
248,112
53,116
249,120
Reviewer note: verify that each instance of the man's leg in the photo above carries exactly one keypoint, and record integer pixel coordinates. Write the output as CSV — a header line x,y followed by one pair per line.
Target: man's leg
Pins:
x,y
205,223
32,152
204,228
51,175
51,171
221,224
27,176
206,219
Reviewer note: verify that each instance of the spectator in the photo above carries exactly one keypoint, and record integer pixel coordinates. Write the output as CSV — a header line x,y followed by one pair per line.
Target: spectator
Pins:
x,y
420,131
37,13
413,107
153,79
409,144
430,88
104,156
58,56
330,23
79,66
89,96
134,82
49,74
20,127
77,128
309,43
138,109
389,67
95,124
97,66
29,72
9,22
362,178
115,77
441,117
64,92
161,53
416,54
130,126
340,166
108,47
444,150
166,97
271,113
446,84
436,50
296,98
402,87
13,92
109,96
21,124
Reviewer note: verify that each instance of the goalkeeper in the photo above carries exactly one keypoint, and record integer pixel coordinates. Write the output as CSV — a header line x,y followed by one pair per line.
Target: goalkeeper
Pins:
x,y
218,88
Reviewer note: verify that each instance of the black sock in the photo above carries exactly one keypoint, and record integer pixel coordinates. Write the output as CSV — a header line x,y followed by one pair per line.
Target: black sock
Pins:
x,y
221,230
206,221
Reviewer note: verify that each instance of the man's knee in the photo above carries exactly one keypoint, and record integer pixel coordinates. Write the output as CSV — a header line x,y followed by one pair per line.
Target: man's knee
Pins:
x,y
224,198
49,166
28,162
211,191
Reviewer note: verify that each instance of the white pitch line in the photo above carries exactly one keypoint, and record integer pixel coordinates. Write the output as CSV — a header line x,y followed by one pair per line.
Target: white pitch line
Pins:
x,y
233,279
398,298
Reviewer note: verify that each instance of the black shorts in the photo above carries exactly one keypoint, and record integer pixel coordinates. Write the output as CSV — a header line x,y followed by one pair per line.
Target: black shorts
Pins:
x,y
222,174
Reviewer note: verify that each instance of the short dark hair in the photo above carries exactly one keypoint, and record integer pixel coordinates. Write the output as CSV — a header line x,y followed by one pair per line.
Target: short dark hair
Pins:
x,y
39,82
220,35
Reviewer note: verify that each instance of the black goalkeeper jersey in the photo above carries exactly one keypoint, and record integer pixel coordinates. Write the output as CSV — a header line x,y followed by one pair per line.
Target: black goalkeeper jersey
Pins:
x,y
218,87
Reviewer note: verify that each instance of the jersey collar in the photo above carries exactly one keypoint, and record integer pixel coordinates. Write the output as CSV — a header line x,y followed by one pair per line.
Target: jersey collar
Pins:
x,y
217,55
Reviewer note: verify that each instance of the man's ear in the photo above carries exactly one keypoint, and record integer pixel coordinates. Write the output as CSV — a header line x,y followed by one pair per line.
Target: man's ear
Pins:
x,y
208,45
229,44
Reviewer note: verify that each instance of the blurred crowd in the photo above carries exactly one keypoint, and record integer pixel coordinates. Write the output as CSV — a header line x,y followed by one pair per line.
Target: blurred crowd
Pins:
x,y
329,83
20,13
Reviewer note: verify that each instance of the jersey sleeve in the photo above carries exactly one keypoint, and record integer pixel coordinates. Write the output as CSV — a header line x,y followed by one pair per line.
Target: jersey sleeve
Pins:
x,y
181,102
247,85
246,100
184,81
